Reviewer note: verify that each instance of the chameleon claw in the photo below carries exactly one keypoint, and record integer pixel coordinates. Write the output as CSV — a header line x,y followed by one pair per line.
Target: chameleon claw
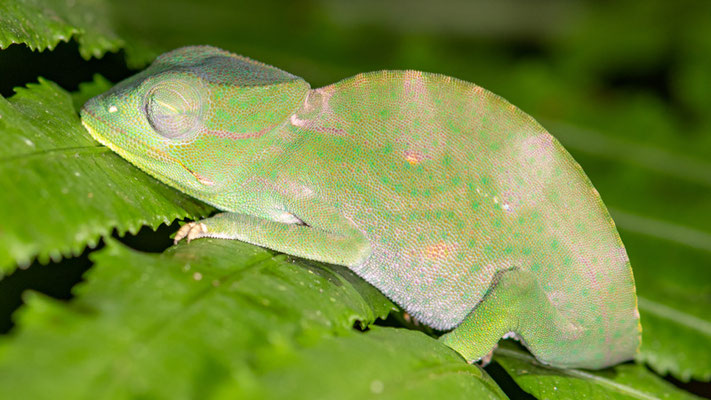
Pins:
x,y
190,231
486,360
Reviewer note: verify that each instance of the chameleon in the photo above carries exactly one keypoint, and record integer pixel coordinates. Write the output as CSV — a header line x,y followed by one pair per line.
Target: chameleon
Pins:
x,y
448,199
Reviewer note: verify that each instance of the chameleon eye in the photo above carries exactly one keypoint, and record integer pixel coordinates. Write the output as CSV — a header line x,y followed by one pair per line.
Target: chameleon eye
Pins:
x,y
174,108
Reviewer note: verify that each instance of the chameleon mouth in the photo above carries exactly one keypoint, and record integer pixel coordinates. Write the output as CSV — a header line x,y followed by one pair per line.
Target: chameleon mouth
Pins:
x,y
93,125
90,122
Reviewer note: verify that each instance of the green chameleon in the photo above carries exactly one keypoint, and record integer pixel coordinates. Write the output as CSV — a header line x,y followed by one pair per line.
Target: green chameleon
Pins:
x,y
451,201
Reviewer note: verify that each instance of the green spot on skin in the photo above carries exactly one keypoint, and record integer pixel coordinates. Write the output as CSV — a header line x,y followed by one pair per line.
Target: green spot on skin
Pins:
x,y
222,115
536,266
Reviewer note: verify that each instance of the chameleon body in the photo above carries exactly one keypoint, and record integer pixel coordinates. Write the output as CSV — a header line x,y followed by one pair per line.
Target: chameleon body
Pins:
x,y
454,203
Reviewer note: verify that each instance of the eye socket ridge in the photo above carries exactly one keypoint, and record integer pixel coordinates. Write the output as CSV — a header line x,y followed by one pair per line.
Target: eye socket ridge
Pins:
x,y
175,107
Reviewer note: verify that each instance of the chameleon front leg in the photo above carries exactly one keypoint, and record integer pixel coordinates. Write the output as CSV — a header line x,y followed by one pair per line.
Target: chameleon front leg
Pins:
x,y
516,306
342,245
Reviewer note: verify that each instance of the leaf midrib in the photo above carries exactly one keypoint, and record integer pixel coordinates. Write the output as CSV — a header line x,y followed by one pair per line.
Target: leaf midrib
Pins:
x,y
576,373
687,320
54,152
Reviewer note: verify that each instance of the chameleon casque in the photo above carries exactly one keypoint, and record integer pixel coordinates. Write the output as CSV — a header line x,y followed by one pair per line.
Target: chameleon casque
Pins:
x,y
454,203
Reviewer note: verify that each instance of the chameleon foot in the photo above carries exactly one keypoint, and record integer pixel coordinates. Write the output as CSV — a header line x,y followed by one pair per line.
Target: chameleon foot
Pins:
x,y
190,231
487,358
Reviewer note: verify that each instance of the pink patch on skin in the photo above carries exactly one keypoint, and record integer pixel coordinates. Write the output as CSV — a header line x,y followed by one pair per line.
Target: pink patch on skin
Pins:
x,y
330,131
202,179
589,271
556,297
511,200
414,83
527,169
619,254
539,150
238,136
415,157
441,250
360,80
317,108
325,94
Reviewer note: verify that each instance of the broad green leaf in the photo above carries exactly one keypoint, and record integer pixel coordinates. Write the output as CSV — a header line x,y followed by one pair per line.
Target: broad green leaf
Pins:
x,y
383,363
217,318
62,190
625,381
42,24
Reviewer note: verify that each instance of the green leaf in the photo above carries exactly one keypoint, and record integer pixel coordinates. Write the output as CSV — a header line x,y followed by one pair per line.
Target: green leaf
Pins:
x,y
625,381
391,364
42,24
218,318
62,190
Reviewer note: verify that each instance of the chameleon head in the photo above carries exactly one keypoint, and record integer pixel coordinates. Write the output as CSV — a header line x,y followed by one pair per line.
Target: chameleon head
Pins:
x,y
194,116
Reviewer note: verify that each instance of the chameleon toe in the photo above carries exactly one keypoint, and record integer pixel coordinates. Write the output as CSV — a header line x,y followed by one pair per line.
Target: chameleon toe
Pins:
x,y
183,232
197,230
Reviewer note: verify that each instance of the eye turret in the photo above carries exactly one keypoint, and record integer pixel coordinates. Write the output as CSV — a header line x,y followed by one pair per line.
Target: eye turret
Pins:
x,y
175,108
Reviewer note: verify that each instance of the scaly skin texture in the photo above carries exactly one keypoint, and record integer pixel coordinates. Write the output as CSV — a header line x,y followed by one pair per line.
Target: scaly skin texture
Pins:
x,y
451,201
